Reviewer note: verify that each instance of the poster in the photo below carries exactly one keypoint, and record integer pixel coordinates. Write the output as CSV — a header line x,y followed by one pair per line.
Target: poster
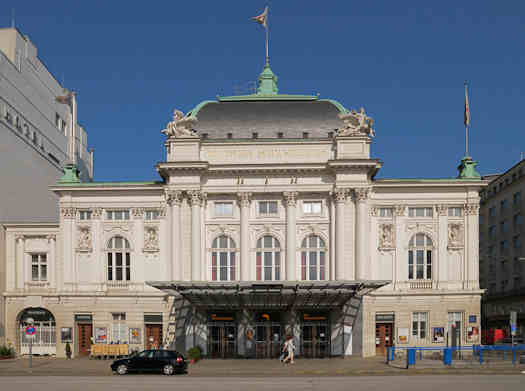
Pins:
x,y
438,334
66,334
472,334
472,318
402,334
134,335
101,335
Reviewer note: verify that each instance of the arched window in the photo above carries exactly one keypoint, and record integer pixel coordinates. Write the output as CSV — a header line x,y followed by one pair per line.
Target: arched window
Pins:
x,y
223,259
268,259
420,257
313,258
119,259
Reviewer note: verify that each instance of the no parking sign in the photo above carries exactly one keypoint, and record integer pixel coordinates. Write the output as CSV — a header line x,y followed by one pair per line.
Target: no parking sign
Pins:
x,y
30,331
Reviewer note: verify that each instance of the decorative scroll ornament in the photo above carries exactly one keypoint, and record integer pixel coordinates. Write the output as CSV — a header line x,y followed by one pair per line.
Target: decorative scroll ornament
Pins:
x,y
441,210
84,239
356,124
162,213
455,236
51,237
374,211
361,193
96,213
340,194
244,198
181,126
195,197
471,209
311,229
400,210
151,239
137,213
173,197
68,213
290,198
386,236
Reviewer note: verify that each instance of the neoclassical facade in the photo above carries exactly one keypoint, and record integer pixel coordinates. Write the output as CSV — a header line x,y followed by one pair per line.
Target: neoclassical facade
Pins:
x,y
268,221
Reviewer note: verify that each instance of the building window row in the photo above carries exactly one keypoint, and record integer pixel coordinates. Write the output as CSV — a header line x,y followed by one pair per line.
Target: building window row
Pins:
x,y
267,208
119,214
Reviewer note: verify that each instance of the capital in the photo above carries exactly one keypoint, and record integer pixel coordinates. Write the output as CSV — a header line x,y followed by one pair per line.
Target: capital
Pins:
x,y
20,238
96,213
244,198
361,193
137,213
399,210
195,197
441,210
51,237
471,209
67,213
340,194
290,197
173,197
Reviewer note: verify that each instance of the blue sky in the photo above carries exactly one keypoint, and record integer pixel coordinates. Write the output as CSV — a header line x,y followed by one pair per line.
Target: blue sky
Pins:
x,y
133,62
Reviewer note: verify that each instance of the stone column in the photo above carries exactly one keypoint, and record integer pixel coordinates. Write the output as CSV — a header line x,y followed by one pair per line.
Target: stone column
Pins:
x,y
245,263
472,245
51,262
291,205
340,199
195,198
361,233
98,247
440,271
174,200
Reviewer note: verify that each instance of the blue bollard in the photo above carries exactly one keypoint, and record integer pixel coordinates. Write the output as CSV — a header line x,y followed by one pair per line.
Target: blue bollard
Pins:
x,y
411,357
481,356
447,356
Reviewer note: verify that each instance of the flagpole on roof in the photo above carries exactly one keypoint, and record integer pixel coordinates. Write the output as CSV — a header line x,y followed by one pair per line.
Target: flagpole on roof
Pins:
x,y
466,118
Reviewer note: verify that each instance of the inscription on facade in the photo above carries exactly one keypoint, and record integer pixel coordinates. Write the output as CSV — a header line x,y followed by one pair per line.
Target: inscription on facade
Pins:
x,y
270,154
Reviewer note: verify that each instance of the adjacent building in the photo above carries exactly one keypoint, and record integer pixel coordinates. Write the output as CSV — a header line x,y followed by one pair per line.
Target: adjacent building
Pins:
x,y
35,139
502,255
268,220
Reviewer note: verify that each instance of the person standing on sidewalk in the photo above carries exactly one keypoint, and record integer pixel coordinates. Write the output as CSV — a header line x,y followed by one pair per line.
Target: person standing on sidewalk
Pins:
x,y
289,346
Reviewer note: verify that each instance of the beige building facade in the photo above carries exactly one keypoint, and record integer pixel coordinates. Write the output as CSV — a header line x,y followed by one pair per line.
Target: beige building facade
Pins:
x,y
268,221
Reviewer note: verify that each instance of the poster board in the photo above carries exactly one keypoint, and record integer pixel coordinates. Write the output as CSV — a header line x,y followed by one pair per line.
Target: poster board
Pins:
x,y
135,335
438,334
66,334
101,335
402,334
472,334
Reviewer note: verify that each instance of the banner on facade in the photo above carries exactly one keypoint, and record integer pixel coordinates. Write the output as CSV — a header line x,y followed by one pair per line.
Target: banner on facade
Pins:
x,y
101,335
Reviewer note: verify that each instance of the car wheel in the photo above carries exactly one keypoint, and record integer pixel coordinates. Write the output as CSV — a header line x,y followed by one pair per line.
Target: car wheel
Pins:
x,y
122,369
168,369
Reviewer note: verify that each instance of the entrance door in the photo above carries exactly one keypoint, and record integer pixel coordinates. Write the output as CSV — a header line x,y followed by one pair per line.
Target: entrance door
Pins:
x,y
222,339
268,339
383,337
84,333
316,340
153,336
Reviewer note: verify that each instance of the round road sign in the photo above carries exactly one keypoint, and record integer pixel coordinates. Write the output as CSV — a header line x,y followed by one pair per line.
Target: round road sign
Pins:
x,y
30,330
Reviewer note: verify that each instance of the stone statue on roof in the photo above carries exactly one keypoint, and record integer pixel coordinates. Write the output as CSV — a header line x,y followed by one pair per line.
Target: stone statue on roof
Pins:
x,y
181,126
356,124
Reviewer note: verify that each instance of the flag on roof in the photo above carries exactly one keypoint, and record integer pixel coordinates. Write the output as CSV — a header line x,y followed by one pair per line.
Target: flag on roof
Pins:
x,y
66,99
467,108
262,18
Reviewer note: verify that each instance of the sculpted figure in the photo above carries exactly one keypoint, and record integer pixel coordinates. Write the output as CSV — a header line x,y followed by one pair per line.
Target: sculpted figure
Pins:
x,y
386,240
151,240
181,126
84,239
356,124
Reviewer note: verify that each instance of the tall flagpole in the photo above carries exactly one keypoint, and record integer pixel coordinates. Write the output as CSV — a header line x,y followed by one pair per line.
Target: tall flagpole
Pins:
x,y
467,118
267,40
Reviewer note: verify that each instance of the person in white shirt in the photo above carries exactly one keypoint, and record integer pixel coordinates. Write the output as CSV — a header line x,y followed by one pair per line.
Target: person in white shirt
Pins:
x,y
289,346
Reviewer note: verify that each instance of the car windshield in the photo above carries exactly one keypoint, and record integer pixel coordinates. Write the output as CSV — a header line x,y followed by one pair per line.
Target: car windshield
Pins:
x,y
142,354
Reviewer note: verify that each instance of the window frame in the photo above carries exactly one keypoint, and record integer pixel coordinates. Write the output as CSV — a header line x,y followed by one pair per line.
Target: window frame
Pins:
x,y
151,214
419,329
382,212
216,204
85,215
267,203
425,261
455,211
311,203
218,254
111,214
317,254
412,212
112,260
41,264
275,252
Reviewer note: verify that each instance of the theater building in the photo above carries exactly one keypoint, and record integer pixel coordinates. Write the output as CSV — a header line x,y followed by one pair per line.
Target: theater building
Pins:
x,y
268,220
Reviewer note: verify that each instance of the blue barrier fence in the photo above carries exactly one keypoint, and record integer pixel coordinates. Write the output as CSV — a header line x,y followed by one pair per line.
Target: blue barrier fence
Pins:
x,y
477,350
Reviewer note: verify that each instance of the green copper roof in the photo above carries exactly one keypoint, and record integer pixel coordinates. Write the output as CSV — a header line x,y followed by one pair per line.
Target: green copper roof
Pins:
x,y
70,175
109,184
267,81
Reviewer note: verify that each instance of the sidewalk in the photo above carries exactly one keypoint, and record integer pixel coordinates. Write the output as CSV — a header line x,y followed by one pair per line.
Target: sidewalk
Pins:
x,y
352,366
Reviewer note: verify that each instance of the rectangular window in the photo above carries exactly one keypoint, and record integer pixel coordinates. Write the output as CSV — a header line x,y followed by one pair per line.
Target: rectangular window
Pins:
x,y
455,212
492,231
84,215
504,226
38,267
517,221
119,328
503,205
385,212
151,215
516,242
268,207
516,198
420,212
419,325
223,209
312,207
492,211
117,214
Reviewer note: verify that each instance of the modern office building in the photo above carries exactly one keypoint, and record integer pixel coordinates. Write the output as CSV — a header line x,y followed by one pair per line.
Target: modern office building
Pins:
x,y
268,221
35,139
502,255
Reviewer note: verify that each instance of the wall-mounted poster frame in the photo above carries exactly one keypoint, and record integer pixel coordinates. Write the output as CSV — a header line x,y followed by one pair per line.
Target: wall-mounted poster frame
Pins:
x,y
135,335
438,334
101,335
402,334
66,334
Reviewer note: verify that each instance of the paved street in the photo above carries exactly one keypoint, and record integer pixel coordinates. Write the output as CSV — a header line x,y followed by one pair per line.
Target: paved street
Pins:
x,y
362,383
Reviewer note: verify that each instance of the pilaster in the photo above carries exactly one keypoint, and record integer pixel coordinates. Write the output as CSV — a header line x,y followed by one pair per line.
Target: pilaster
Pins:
x,y
472,245
195,199
441,271
245,264
291,247
174,201
339,196
361,233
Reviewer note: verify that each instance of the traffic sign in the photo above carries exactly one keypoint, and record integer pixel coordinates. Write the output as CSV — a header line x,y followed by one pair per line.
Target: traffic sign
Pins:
x,y
30,331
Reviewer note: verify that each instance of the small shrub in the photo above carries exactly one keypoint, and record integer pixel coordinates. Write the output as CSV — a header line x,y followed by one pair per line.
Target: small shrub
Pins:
x,y
194,353
7,351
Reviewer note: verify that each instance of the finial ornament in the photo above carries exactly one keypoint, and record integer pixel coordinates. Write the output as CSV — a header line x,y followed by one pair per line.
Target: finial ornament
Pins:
x,y
356,124
181,126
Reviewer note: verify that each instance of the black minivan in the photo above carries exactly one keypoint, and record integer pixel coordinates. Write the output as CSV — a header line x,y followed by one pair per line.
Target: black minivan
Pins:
x,y
166,361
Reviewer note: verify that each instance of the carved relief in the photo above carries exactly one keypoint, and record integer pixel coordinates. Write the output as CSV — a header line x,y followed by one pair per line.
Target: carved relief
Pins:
x,y
312,229
441,210
455,236
181,126
268,229
173,197
223,229
356,124
68,213
386,236
400,210
244,198
374,211
290,197
429,228
471,209
84,239
151,239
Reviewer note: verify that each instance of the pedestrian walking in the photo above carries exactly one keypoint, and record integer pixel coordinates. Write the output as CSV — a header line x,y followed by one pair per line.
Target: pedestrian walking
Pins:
x,y
289,346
